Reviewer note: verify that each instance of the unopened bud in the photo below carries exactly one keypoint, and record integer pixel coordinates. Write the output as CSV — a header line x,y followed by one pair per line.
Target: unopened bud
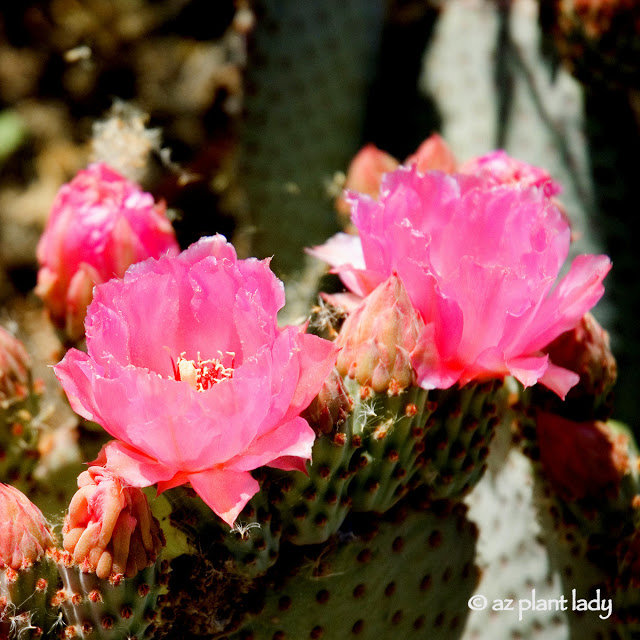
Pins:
x,y
377,339
581,459
25,536
433,154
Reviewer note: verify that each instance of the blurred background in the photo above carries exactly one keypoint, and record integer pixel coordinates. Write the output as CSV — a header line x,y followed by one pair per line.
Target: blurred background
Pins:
x,y
243,116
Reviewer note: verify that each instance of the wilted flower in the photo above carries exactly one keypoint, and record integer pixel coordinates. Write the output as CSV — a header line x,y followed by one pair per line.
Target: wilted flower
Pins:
x,y
25,536
14,369
187,368
479,262
100,224
109,528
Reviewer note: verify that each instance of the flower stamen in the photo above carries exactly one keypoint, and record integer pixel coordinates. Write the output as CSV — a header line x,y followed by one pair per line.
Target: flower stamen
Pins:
x,y
203,374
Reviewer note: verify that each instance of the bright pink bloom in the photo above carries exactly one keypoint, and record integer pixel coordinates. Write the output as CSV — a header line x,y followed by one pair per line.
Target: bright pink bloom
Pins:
x,y
187,368
100,224
479,262
24,533
500,168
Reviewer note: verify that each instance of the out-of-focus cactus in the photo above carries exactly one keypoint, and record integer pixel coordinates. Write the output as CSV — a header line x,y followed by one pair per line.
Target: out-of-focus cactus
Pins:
x,y
100,224
110,567
28,574
18,407
597,39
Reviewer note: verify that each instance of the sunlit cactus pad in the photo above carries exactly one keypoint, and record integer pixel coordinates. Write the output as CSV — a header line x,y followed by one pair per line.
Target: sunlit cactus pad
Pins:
x,y
359,586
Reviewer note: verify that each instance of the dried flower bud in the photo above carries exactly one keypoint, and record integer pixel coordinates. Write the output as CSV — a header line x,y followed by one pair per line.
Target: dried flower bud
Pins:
x,y
378,337
14,369
330,407
25,536
581,459
109,528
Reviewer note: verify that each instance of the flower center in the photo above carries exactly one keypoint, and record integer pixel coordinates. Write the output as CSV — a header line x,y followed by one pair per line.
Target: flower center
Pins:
x,y
203,374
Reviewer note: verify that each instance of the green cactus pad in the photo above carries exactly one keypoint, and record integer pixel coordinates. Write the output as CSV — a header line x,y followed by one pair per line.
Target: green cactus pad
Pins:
x,y
109,609
312,507
457,437
407,575
25,600
390,431
248,549
18,440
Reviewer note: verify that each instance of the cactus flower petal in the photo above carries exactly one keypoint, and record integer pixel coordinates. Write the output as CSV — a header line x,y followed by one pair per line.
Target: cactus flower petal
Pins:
x,y
187,368
225,491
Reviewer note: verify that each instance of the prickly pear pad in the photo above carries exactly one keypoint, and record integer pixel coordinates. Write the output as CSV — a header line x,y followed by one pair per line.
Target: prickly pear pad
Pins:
x,y
358,583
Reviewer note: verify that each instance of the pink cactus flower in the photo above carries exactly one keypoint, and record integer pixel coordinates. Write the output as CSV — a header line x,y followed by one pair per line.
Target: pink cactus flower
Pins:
x,y
109,529
25,536
501,168
100,224
479,262
188,369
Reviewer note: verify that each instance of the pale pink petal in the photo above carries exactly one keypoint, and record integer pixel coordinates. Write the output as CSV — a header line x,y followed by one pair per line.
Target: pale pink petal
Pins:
x,y
340,249
303,361
348,302
291,439
131,465
225,491
559,379
528,369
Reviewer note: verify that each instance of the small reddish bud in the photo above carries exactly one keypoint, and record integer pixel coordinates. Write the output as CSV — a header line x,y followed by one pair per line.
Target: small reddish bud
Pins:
x,y
365,173
581,458
330,407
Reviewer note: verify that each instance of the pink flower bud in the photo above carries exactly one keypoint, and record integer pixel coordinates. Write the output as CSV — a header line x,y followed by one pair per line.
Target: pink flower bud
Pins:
x,y
581,458
14,369
377,339
25,536
100,224
109,528
433,154
365,173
